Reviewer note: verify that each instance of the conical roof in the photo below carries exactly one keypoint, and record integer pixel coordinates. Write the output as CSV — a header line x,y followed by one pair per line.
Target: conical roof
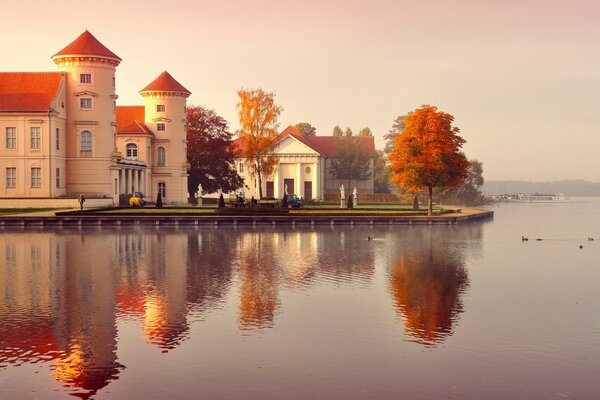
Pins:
x,y
165,83
87,44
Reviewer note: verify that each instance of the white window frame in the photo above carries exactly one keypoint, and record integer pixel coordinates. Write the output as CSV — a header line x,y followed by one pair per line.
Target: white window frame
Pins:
x,y
83,79
162,189
161,127
241,168
11,138
84,102
161,108
35,142
36,177
161,156
131,150
11,177
85,141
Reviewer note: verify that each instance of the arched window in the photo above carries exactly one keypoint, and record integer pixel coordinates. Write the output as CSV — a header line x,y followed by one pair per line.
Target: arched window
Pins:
x,y
161,156
162,190
86,141
131,150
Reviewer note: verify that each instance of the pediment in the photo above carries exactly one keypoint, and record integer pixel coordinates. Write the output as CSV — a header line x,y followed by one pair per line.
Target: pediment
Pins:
x,y
86,93
291,145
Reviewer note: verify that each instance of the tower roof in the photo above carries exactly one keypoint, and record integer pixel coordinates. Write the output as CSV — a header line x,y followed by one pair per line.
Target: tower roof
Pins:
x,y
165,83
87,44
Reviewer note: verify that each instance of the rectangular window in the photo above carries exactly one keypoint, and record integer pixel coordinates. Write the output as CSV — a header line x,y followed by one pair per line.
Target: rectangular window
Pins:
x,y
36,177
11,177
241,167
85,78
57,139
11,138
86,141
160,108
85,103
36,138
160,127
58,178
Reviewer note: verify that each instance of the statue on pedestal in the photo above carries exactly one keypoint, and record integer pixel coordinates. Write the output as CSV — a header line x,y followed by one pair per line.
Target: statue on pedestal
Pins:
x,y
342,196
355,196
199,195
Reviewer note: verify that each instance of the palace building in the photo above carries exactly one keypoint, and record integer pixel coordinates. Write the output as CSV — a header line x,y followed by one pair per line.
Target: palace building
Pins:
x,y
63,133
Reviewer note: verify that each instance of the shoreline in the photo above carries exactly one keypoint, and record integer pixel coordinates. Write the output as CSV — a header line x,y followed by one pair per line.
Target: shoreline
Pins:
x,y
48,219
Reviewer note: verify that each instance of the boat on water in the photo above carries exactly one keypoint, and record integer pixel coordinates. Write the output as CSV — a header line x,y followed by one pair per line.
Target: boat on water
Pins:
x,y
531,198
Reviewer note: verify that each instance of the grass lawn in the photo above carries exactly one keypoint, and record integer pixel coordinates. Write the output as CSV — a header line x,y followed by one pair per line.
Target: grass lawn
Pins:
x,y
11,211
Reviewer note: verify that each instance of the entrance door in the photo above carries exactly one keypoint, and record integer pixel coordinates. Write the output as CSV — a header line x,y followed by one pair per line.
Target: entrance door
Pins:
x,y
290,185
307,190
270,189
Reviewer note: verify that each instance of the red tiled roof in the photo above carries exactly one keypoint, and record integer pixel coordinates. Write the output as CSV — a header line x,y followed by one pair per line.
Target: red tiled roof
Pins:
x,y
130,119
327,145
87,44
165,83
28,91
324,145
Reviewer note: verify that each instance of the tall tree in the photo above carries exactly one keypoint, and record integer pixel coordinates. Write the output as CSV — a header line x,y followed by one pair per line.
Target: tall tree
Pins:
x,y
350,162
427,153
381,174
365,132
469,193
390,137
306,129
259,122
337,131
210,152
348,132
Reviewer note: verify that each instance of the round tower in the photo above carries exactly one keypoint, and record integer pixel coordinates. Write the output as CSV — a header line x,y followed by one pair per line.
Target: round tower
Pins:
x,y
165,114
90,88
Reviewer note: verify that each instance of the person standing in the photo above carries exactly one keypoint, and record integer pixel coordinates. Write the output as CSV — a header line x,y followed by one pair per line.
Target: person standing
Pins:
x,y
81,200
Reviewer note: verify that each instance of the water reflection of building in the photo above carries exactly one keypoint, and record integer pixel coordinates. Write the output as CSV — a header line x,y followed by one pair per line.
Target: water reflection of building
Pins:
x,y
65,311
427,281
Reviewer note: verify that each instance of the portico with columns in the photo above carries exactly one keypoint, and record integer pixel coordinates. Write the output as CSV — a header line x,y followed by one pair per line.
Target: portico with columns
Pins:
x,y
301,167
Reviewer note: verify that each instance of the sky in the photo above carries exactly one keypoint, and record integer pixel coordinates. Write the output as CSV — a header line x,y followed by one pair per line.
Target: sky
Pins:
x,y
521,78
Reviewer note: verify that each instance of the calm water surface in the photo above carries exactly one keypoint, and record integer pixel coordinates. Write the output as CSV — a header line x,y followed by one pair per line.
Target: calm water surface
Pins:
x,y
467,312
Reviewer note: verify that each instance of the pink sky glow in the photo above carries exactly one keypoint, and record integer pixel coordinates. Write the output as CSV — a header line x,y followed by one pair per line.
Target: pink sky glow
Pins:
x,y
522,78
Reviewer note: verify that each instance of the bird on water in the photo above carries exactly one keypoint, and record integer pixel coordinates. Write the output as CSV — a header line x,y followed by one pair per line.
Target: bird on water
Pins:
x,y
524,239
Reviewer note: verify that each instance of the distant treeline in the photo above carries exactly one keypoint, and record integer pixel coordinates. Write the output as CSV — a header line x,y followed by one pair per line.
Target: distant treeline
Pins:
x,y
568,187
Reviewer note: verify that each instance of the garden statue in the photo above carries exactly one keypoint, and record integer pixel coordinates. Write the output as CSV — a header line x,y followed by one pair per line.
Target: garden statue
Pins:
x,y
199,195
355,195
342,196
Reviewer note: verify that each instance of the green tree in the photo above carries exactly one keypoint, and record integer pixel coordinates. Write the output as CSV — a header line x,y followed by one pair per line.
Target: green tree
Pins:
x,y
337,131
306,129
210,152
469,193
259,122
390,137
348,132
350,162
381,174
427,153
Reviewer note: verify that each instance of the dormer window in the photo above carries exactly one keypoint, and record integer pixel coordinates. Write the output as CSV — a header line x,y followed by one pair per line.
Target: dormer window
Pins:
x,y
85,103
85,78
160,108
160,127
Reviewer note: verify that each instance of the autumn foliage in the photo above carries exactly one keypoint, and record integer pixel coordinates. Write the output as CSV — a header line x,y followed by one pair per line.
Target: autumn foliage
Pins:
x,y
427,153
258,120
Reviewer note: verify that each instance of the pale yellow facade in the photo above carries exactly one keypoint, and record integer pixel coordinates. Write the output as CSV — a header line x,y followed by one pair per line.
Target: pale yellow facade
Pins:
x,y
72,147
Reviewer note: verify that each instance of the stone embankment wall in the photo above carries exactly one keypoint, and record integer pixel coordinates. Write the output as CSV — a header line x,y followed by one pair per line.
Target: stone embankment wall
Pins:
x,y
54,203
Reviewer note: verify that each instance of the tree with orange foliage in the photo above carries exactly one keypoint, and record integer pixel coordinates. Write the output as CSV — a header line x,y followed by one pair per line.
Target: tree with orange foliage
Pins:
x,y
427,153
258,120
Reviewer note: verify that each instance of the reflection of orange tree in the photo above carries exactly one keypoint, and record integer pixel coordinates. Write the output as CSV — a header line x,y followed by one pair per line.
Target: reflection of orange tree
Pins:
x,y
427,285
258,300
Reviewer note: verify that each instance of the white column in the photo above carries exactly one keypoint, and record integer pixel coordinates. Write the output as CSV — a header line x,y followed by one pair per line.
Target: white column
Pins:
x,y
315,181
143,181
129,180
276,182
299,185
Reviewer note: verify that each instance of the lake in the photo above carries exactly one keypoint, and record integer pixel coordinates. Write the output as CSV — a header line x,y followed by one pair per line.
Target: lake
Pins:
x,y
421,312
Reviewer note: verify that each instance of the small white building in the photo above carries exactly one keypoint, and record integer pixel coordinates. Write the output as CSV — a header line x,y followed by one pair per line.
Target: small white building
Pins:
x,y
304,167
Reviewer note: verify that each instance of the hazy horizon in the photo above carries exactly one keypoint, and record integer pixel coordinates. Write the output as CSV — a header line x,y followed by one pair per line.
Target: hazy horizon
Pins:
x,y
521,78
